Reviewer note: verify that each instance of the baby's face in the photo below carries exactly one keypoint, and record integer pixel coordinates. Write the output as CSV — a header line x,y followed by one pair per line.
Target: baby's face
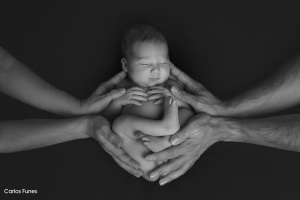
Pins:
x,y
148,64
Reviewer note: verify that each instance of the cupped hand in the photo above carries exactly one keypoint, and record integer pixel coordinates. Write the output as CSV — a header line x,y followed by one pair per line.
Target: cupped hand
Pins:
x,y
103,95
195,94
192,140
99,128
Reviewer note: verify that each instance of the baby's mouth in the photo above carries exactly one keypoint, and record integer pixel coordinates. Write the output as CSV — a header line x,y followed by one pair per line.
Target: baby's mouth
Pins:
x,y
154,78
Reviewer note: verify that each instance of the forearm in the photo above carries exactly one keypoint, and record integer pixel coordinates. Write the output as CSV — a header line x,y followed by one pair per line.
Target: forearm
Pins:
x,y
281,132
18,81
279,92
30,134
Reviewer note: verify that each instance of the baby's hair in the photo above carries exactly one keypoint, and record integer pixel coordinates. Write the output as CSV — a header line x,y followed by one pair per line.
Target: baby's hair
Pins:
x,y
141,33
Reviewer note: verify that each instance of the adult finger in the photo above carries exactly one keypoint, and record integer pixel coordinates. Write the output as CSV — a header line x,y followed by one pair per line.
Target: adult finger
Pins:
x,y
184,96
114,94
176,173
118,152
134,171
166,168
131,170
180,75
113,138
183,134
167,154
110,84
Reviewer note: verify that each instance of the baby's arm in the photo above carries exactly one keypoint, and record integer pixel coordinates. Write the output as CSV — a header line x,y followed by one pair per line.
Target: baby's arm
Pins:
x,y
157,93
168,125
132,96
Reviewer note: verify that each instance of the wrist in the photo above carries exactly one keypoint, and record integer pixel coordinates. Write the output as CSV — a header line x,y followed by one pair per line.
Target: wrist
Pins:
x,y
83,124
229,129
224,109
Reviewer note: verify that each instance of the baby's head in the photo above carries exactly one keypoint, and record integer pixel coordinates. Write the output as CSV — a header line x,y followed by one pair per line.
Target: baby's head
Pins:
x,y
145,56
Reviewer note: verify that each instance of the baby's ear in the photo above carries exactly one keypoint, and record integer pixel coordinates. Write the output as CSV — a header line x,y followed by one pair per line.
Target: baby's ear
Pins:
x,y
124,65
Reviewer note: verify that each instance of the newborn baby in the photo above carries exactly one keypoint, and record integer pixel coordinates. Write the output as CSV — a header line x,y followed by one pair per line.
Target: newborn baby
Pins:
x,y
146,61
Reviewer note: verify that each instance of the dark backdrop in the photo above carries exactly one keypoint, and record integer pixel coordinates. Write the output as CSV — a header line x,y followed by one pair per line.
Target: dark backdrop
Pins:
x,y
228,46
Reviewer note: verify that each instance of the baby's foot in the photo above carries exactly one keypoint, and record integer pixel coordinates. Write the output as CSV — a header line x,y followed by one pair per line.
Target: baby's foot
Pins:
x,y
170,119
153,143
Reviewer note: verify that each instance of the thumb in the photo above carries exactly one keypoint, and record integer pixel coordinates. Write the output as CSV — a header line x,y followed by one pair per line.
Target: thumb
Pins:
x,y
180,136
114,94
184,96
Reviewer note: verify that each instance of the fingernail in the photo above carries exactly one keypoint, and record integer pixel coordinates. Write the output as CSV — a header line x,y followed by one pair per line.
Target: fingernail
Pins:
x,y
162,182
149,158
174,141
137,175
152,176
171,101
175,89
145,139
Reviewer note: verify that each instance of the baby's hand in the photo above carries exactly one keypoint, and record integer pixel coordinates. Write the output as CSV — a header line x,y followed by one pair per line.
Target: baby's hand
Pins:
x,y
132,96
158,93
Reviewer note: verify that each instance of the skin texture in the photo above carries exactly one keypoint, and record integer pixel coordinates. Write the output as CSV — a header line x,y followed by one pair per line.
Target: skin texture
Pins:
x,y
147,67
18,81
279,92
148,64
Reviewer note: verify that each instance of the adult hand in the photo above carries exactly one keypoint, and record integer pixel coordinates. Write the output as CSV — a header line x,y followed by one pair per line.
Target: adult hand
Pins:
x,y
193,139
195,94
99,128
103,95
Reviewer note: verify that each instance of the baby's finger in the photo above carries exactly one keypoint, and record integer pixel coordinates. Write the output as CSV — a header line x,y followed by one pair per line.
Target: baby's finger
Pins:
x,y
155,96
138,98
159,101
155,91
135,102
136,92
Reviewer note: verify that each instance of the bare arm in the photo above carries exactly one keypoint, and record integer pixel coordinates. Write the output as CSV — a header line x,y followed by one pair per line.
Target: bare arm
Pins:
x,y
279,92
203,130
35,133
18,81
281,132
132,96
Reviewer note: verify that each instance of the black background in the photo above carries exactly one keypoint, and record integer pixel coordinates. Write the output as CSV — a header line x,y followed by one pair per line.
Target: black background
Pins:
x,y
228,46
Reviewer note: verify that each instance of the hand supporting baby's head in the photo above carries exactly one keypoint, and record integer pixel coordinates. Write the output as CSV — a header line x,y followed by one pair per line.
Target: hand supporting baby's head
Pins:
x,y
145,56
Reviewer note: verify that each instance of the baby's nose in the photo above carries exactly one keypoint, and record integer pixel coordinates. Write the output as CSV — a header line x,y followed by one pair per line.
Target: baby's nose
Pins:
x,y
155,69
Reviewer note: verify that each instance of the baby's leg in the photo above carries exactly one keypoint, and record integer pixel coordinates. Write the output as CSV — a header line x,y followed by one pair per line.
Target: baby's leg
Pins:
x,y
157,144
126,125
